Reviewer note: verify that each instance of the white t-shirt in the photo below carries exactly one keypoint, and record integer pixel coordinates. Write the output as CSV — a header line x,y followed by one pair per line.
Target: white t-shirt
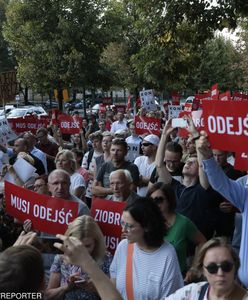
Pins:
x,y
155,274
145,169
117,125
76,181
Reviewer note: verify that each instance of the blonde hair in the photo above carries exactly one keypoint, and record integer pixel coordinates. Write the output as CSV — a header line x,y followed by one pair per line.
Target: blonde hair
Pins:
x,y
86,227
67,154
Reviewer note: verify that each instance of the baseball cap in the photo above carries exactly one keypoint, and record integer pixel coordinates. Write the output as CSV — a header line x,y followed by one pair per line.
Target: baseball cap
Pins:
x,y
152,138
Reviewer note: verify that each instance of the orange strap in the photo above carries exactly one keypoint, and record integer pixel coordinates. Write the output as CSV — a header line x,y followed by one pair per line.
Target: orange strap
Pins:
x,y
129,272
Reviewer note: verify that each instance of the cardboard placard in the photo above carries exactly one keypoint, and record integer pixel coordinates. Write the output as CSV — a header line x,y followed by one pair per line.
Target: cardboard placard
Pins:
x,y
226,124
108,214
48,214
6,134
147,125
29,123
147,100
241,161
69,124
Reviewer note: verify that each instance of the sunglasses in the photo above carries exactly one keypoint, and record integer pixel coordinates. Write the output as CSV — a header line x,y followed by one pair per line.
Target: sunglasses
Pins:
x,y
158,200
226,266
146,144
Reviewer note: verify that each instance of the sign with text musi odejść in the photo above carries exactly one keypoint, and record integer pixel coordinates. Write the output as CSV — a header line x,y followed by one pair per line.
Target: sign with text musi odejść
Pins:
x,y
48,214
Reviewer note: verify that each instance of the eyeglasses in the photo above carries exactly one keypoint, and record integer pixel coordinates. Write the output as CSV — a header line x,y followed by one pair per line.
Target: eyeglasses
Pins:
x,y
158,200
126,226
146,144
226,266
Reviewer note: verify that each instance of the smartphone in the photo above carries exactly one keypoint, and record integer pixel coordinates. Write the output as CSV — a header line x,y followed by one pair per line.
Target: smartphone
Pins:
x,y
80,280
47,245
179,122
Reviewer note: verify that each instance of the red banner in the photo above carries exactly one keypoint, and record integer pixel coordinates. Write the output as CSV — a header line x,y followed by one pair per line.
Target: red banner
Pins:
x,y
29,123
241,161
107,214
214,92
239,97
147,125
69,124
225,96
203,97
48,214
227,124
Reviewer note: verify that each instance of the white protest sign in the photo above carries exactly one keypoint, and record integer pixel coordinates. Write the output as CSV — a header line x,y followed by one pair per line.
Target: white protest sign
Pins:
x,y
173,111
133,152
6,133
147,100
23,169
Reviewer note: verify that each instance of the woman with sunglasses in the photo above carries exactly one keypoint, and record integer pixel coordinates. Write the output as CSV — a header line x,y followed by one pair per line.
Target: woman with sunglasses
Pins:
x,y
218,263
145,266
180,230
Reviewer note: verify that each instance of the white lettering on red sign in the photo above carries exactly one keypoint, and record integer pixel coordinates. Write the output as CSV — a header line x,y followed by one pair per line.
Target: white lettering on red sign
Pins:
x,y
224,125
148,126
109,217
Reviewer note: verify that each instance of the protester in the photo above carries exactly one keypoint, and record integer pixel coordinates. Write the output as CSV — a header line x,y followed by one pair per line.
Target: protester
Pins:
x,y
233,191
118,152
180,230
144,264
65,160
106,145
88,162
121,185
64,277
21,270
30,137
48,147
78,155
120,124
146,162
133,140
193,194
218,262
22,145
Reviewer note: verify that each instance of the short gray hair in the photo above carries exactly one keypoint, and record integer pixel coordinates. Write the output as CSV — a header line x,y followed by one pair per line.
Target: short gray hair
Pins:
x,y
126,173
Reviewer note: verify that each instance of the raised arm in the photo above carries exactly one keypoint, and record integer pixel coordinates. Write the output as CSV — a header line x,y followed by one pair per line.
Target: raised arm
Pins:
x,y
162,171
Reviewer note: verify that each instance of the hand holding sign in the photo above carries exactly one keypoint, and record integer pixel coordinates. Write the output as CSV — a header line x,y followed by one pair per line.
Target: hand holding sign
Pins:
x,y
203,146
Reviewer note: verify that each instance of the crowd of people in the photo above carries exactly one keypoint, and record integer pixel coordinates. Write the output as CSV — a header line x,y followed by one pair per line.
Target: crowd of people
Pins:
x,y
180,239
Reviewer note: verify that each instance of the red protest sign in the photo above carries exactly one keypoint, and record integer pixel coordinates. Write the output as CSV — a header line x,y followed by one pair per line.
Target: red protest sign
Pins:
x,y
197,119
70,124
214,92
107,214
239,97
48,214
227,124
241,161
225,96
147,125
29,123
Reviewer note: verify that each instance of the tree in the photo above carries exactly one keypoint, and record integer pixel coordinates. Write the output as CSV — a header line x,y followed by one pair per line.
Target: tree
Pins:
x,y
7,61
219,62
170,34
57,43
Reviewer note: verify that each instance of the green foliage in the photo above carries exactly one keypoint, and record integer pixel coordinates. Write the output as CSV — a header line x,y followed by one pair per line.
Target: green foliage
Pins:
x,y
7,62
55,42
219,62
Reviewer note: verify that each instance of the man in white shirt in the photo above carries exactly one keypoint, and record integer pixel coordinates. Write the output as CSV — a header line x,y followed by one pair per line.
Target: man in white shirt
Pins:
x,y
146,162
120,124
